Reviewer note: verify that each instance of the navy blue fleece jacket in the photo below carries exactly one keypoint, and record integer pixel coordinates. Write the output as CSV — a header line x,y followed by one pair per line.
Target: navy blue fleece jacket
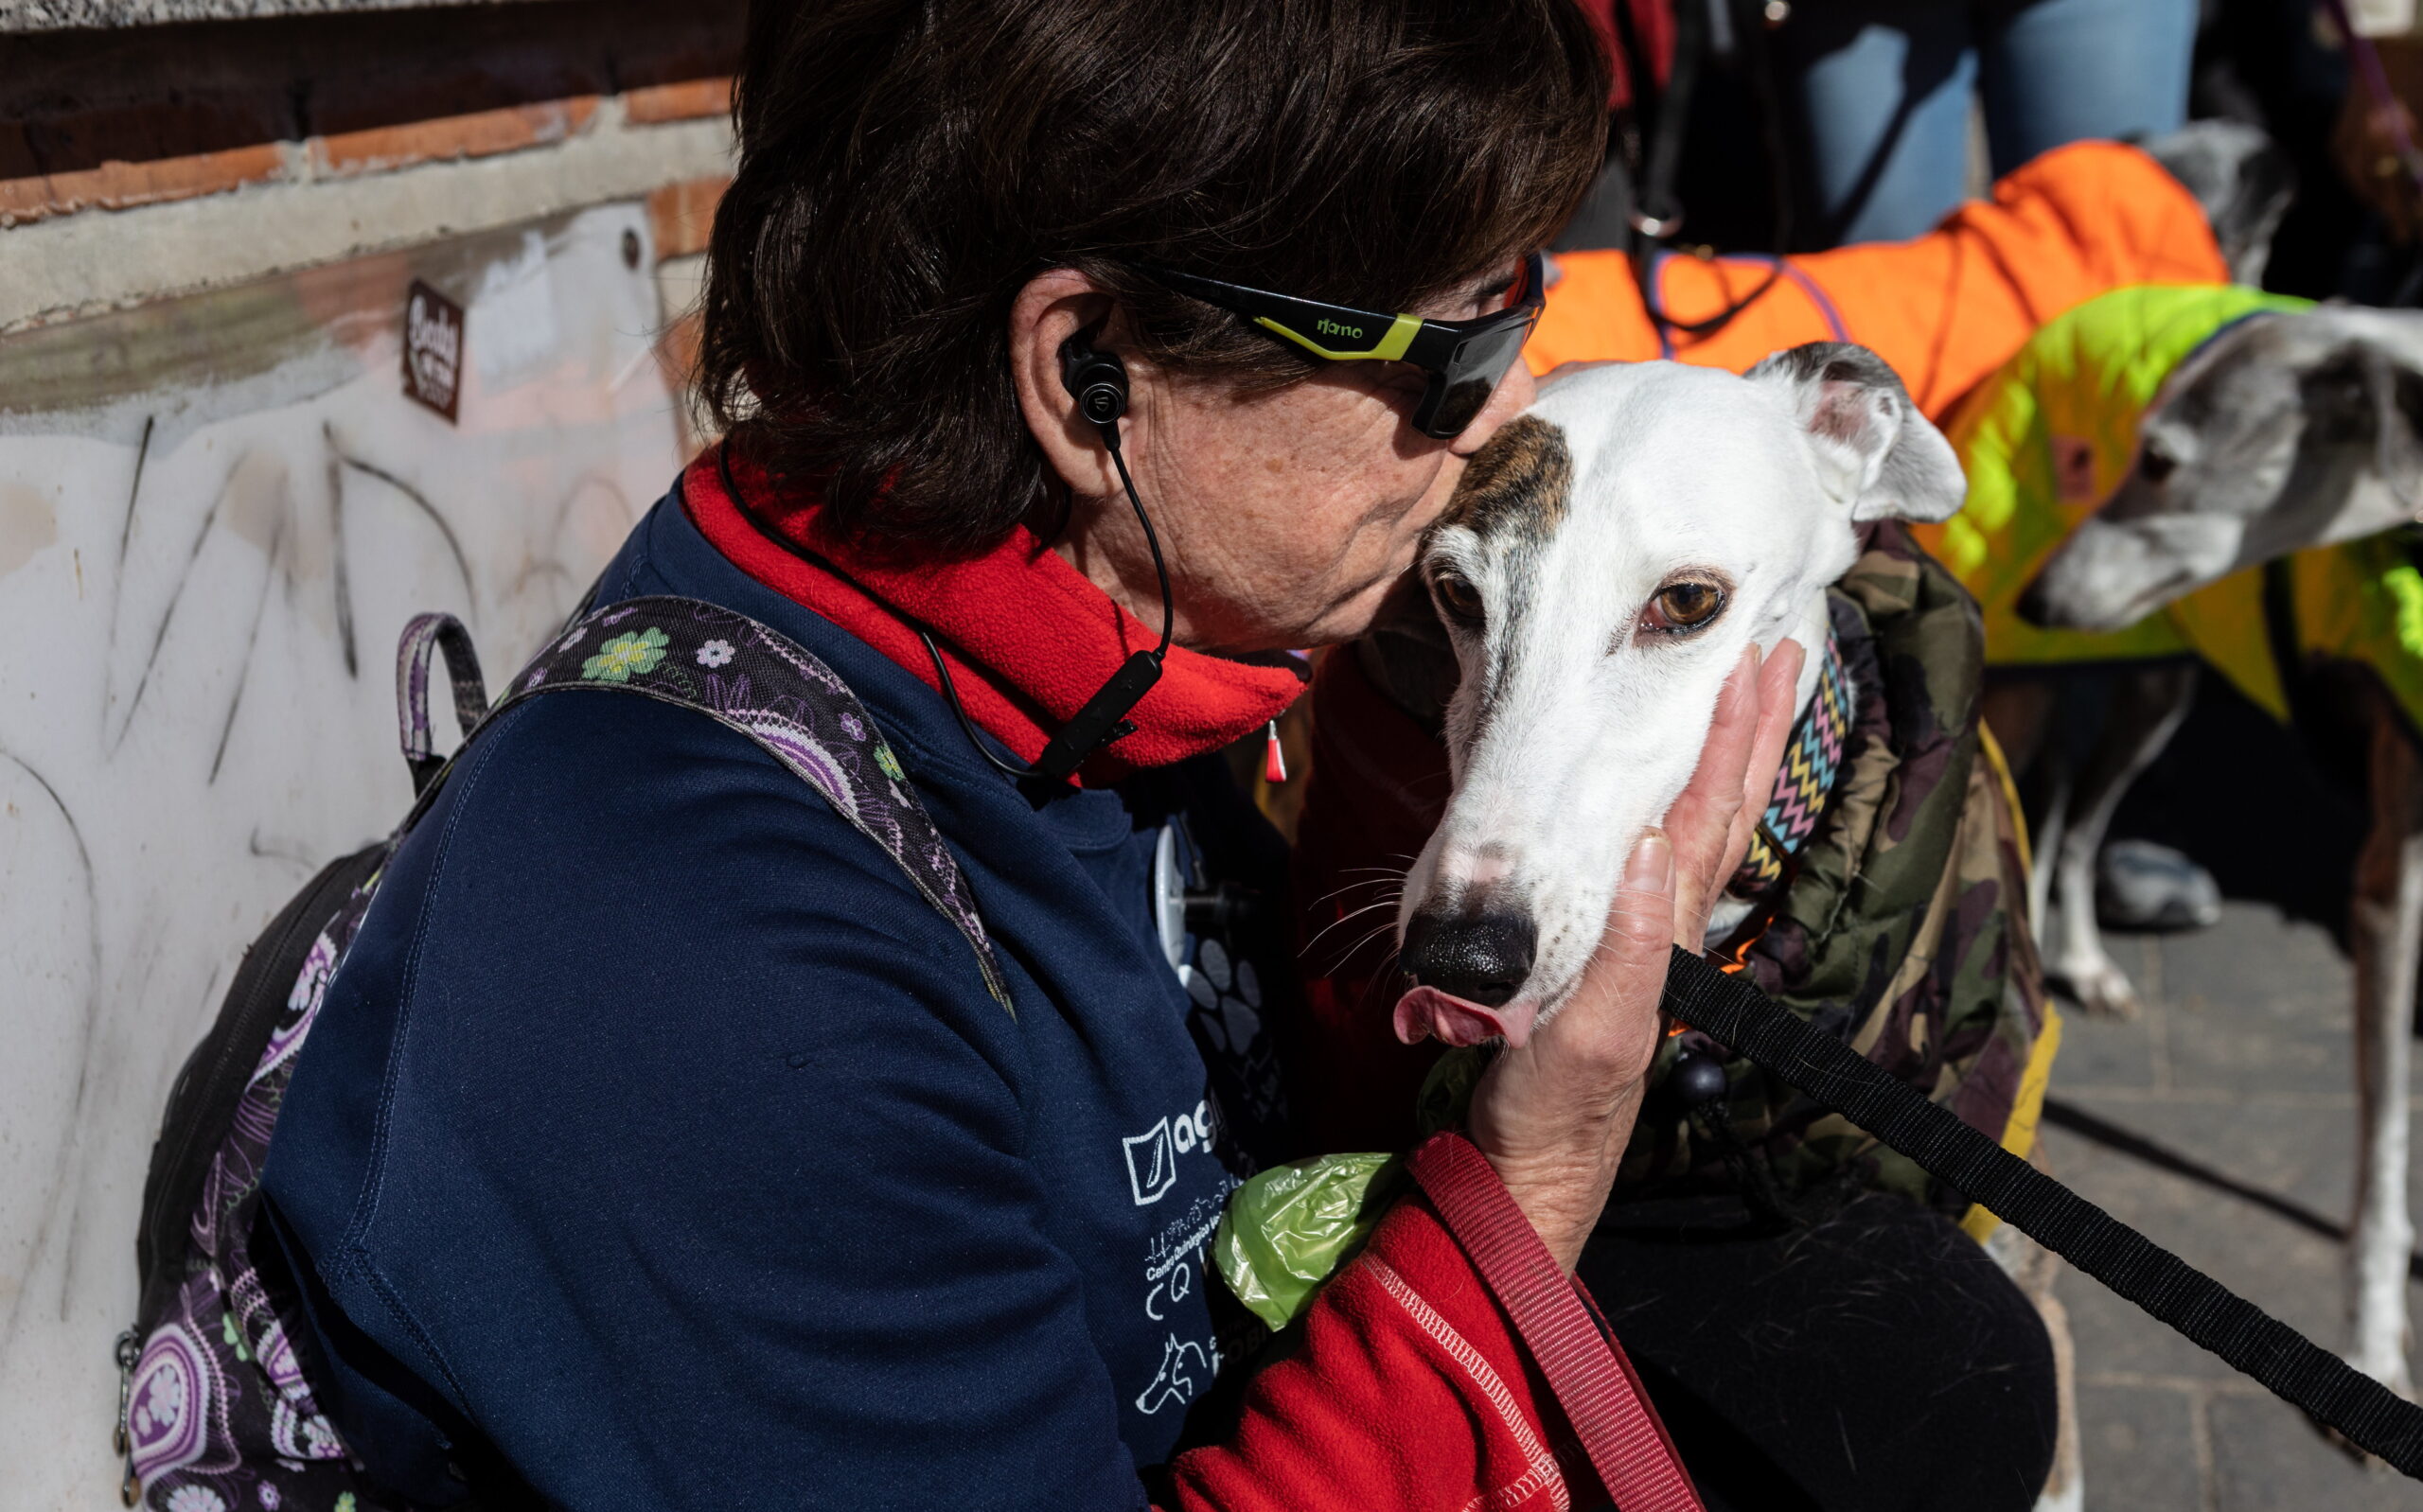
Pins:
x,y
657,1127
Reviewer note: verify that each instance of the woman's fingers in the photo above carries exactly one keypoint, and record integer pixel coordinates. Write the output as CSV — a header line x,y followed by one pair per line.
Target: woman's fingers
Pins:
x,y
1777,711
1555,1115
1776,714
1629,971
1640,925
1711,823
1702,821
1601,1037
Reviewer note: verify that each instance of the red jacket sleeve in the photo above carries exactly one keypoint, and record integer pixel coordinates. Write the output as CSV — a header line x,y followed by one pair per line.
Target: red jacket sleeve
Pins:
x,y
1406,1389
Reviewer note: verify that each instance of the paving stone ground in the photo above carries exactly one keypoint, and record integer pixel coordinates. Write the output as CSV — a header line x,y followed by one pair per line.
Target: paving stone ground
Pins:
x,y
2222,1123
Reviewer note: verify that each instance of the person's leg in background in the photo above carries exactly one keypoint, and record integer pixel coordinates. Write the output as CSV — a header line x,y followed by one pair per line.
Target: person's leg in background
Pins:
x,y
1881,90
2057,71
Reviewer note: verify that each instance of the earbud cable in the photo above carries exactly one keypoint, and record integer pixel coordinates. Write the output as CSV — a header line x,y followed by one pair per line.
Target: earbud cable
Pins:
x,y
1169,616
1123,699
950,691
1160,570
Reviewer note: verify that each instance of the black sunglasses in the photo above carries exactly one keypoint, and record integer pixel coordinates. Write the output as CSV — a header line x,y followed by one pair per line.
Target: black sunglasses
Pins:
x,y
1466,359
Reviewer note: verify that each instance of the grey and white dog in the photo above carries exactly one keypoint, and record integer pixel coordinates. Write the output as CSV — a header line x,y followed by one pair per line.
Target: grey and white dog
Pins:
x,y
2286,432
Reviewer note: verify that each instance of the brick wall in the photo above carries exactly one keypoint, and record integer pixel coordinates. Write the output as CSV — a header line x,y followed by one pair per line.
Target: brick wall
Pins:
x,y
142,162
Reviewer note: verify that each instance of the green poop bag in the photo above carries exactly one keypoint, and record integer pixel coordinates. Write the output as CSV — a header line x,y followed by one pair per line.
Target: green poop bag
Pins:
x,y
1289,1228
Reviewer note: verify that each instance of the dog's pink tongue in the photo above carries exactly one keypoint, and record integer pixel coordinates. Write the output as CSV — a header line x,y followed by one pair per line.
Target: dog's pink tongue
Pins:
x,y
1426,1011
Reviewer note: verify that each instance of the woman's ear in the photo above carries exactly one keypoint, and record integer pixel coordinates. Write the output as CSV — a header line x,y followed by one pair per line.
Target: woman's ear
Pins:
x,y
1879,454
1054,306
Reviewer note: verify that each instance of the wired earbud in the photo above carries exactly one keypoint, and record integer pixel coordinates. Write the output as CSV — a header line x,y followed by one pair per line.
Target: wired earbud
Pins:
x,y
1098,381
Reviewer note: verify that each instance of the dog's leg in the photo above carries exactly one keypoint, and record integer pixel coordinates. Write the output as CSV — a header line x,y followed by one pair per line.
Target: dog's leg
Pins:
x,y
2066,1488
2386,920
2142,713
2056,790
2020,710
2034,1269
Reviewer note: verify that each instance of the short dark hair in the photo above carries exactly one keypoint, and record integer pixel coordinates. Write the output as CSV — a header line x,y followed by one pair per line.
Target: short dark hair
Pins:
x,y
907,166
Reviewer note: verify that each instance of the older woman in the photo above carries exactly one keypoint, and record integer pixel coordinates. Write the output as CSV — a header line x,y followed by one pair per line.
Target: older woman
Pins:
x,y
658,1144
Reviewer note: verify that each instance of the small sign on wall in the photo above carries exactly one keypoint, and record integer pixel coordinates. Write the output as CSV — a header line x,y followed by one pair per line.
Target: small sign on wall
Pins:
x,y
432,348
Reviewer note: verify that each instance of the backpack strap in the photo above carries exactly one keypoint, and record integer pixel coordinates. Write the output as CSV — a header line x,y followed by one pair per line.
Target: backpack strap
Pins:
x,y
760,684
424,634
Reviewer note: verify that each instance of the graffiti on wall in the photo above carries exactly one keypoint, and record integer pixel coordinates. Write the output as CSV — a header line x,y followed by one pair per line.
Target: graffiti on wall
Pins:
x,y
214,516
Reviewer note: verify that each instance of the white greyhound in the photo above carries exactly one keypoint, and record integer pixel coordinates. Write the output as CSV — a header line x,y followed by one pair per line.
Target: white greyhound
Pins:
x,y
1600,574
1604,563
2283,433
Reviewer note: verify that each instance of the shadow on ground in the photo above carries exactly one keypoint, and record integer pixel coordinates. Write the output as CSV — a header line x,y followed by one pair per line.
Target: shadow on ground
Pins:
x,y
2222,1123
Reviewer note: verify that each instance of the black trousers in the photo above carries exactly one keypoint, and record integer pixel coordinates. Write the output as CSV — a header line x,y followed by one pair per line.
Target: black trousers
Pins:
x,y
1873,1361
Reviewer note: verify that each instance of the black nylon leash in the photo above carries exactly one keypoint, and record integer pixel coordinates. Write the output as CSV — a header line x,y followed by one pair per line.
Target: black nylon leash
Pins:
x,y
1736,1013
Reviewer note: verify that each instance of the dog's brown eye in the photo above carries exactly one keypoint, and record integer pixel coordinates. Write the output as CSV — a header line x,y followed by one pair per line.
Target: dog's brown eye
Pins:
x,y
1458,599
1685,606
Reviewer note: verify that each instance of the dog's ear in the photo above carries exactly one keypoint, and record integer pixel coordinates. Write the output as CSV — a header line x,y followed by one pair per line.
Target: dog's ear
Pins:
x,y
1875,452
2241,179
2366,388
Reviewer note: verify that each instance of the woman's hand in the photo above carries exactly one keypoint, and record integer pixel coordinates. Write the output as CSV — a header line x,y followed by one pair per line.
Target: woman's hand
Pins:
x,y
1555,1116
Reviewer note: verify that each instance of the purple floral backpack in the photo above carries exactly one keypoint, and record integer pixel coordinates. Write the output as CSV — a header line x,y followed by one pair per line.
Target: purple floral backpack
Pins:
x,y
216,1409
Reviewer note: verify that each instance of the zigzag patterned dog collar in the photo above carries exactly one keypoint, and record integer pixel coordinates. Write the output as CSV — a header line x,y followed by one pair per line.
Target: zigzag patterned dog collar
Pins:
x,y
1803,783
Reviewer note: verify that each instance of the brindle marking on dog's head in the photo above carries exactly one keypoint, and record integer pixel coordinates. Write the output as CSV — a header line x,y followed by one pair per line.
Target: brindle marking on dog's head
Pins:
x,y
1516,489
1519,482
1516,495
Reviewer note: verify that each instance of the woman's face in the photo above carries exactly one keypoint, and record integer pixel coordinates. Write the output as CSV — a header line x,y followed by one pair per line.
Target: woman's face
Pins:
x,y
1284,516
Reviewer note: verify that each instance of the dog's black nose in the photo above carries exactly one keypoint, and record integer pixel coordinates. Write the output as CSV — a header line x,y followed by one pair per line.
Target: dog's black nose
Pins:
x,y
2033,606
1481,959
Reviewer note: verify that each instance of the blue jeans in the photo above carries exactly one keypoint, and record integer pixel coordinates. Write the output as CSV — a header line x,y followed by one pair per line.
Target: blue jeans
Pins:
x,y
1883,87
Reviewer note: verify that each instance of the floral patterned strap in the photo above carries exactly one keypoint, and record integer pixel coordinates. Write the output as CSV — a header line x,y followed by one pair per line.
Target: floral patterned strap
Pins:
x,y
751,679
424,634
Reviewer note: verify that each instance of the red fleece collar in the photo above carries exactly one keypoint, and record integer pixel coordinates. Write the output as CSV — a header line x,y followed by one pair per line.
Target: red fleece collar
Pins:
x,y
1028,638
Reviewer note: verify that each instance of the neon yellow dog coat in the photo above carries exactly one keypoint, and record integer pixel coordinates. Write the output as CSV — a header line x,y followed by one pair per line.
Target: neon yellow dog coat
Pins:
x,y
2053,434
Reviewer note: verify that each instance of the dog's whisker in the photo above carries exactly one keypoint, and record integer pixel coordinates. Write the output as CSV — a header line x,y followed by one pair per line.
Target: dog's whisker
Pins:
x,y
1386,903
1348,951
1357,913
1375,882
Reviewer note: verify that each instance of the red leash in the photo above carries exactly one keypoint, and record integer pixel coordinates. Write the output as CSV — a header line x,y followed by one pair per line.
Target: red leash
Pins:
x,y
1585,1367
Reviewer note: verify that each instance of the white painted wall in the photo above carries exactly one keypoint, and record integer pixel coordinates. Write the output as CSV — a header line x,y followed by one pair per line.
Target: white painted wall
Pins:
x,y
215,514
